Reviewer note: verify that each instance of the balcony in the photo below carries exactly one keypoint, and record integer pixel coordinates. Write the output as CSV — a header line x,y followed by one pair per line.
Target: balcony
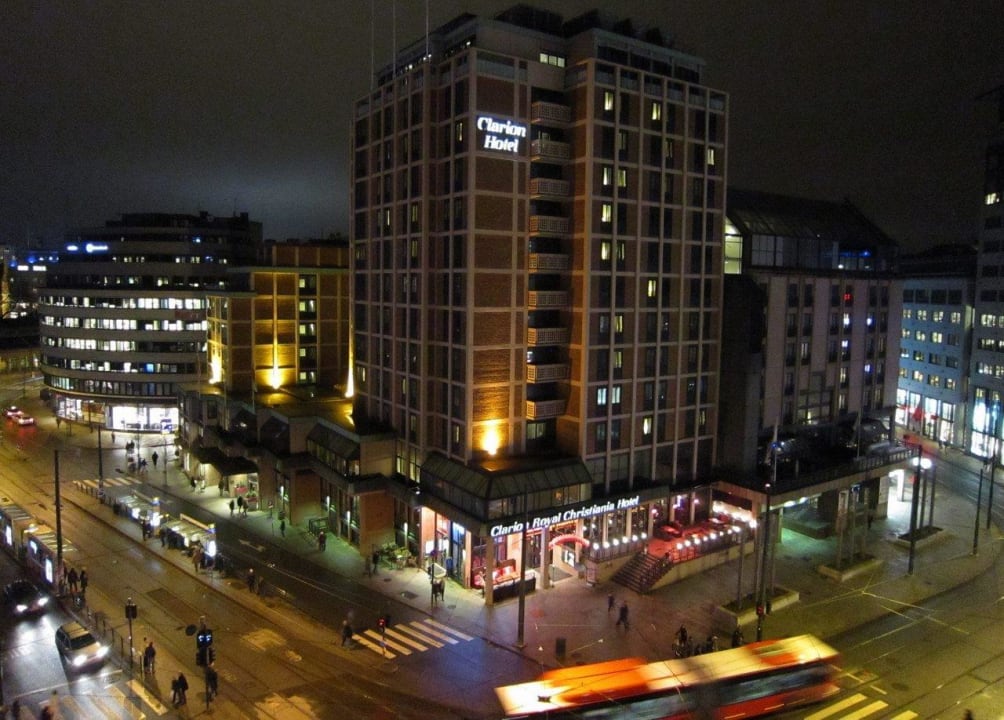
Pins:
x,y
549,187
536,337
547,299
548,262
549,225
546,373
547,113
542,409
550,150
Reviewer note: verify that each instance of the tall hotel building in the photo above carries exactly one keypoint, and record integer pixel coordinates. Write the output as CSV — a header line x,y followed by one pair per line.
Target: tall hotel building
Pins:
x,y
987,369
122,318
537,239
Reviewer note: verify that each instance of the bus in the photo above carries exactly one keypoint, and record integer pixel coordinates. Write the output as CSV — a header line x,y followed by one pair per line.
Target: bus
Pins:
x,y
748,681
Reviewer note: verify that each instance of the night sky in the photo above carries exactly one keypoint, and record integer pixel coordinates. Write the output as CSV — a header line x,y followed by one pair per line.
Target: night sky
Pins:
x,y
177,106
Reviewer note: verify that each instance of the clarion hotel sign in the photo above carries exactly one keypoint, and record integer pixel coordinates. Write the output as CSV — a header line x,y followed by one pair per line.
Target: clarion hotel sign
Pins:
x,y
542,521
500,135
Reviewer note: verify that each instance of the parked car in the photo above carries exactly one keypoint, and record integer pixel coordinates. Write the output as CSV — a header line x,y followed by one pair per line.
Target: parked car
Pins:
x,y
24,598
12,412
24,420
79,647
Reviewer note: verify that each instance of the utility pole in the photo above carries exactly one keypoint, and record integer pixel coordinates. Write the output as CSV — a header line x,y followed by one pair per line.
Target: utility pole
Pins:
x,y
914,501
521,623
59,524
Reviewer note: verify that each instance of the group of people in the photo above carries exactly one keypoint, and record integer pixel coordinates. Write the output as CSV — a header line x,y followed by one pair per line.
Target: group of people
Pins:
x,y
76,584
241,506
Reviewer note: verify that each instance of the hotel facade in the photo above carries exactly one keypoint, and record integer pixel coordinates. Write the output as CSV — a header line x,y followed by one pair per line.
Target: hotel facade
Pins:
x,y
537,211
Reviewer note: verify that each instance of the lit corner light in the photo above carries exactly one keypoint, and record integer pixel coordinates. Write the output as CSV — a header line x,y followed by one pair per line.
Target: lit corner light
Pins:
x,y
491,440
275,379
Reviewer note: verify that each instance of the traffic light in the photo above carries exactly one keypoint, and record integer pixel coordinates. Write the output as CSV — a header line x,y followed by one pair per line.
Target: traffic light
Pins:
x,y
204,647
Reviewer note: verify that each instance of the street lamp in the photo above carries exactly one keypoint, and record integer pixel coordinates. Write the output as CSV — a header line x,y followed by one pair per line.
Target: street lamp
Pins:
x,y
764,595
914,506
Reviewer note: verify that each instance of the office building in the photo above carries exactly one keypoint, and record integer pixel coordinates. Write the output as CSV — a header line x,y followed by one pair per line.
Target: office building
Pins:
x,y
122,317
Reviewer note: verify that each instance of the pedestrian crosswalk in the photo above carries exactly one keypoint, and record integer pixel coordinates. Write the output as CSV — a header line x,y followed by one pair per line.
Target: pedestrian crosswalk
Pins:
x,y
857,706
405,639
91,485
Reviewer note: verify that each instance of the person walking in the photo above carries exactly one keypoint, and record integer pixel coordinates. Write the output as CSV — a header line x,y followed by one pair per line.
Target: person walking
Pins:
x,y
346,633
83,582
149,657
212,681
175,692
376,559
282,527
154,457
622,615
72,580
182,689
251,579
231,505
610,602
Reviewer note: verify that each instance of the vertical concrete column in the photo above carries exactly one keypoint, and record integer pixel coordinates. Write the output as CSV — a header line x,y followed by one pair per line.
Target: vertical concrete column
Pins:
x,y
545,558
489,570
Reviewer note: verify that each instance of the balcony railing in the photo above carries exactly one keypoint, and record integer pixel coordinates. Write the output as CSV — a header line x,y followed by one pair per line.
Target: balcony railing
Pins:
x,y
550,187
547,112
541,409
546,373
548,262
550,150
547,299
547,336
548,225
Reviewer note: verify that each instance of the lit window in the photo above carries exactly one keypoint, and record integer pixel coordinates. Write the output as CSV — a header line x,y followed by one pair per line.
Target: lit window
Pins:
x,y
993,198
607,213
618,359
608,100
622,178
652,288
605,250
847,320
618,323
615,395
710,157
656,111
608,176
646,426
601,397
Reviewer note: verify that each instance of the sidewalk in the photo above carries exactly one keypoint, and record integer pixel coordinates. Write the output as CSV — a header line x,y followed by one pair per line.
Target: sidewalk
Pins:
x,y
575,614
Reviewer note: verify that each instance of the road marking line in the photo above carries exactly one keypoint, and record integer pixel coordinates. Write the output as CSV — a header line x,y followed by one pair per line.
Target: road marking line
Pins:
x,y
141,690
406,640
389,643
905,715
375,648
867,710
448,629
424,638
836,707
434,633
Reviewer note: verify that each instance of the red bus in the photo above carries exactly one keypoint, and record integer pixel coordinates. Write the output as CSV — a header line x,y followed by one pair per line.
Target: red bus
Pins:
x,y
748,681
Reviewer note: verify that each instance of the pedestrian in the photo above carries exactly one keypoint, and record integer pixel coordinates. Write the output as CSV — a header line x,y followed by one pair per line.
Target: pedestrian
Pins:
x,y
175,691
83,582
322,540
154,457
113,438
681,636
622,615
220,486
240,505
610,602
346,633
376,560
149,657
282,528
182,689
231,504
737,636
244,508
72,579
212,681
196,557
251,579
191,481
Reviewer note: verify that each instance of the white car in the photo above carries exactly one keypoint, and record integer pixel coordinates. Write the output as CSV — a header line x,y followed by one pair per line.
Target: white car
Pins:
x,y
23,419
13,412
78,647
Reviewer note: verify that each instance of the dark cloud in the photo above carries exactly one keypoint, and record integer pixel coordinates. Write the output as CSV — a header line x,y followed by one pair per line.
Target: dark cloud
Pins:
x,y
109,107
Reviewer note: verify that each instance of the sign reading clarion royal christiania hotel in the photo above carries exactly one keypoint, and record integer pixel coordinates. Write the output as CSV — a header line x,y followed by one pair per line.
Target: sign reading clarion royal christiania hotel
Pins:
x,y
542,521
500,135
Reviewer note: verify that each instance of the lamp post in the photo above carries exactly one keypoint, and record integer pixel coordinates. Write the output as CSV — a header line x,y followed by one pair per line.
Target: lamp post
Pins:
x,y
976,524
914,505
521,623
762,598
